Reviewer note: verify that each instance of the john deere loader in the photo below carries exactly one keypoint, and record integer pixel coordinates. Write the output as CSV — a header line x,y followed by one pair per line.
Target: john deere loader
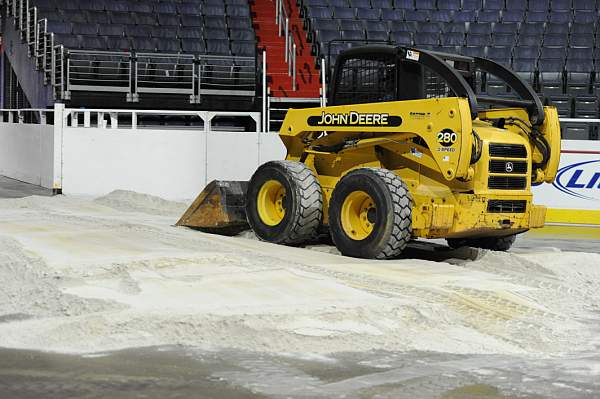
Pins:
x,y
408,147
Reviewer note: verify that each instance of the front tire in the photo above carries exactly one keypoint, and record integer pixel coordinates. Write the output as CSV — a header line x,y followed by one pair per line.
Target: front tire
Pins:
x,y
284,203
370,214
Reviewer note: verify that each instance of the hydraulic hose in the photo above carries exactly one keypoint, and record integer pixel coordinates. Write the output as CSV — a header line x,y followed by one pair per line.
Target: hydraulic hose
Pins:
x,y
477,148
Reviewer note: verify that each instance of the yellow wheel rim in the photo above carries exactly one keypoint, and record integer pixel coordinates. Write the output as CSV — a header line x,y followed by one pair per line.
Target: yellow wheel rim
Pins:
x,y
270,203
358,215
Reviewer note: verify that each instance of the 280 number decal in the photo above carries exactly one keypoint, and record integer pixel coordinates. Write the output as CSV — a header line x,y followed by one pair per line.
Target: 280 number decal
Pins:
x,y
447,137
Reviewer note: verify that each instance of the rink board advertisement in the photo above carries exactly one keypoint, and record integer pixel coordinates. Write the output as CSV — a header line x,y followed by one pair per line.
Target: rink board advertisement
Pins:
x,y
575,195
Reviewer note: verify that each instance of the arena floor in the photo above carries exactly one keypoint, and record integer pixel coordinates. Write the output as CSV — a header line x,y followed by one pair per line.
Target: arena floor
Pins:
x,y
105,298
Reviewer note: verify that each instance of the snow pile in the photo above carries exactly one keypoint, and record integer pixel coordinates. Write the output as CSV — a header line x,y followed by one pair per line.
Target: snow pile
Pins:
x,y
129,201
79,276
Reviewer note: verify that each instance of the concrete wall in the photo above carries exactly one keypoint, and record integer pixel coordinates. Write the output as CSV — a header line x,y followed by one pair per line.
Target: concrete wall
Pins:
x,y
27,153
174,164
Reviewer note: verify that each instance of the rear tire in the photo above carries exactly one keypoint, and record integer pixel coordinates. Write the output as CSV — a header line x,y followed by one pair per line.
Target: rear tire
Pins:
x,y
284,203
491,243
370,214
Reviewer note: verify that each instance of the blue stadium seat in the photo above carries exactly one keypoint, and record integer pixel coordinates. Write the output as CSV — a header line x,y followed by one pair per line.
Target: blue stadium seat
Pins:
x,y
585,17
449,5
556,40
215,33
472,5
539,5
452,39
488,16
403,27
513,16
477,40
444,16
454,27
352,35
244,48
404,4
582,28
242,34
368,14
189,8
235,10
59,27
417,16
138,30
531,29
584,5
111,30
190,20
425,5
506,28
465,16
560,17
190,33
360,4
536,16
344,13
501,55
338,3
402,38
552,28
428,27
218,46
497,5
529,40
213,9
560,5
351,24
382,4
471,51
504,39
377,36
480,28
520,5
193,46
393,15
426,39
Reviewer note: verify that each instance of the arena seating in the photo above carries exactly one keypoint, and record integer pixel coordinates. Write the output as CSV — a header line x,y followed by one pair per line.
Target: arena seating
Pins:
x,y
190,49
550,43
214,27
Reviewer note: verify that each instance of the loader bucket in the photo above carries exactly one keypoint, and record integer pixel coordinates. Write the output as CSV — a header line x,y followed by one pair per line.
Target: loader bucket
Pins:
x,y
220,209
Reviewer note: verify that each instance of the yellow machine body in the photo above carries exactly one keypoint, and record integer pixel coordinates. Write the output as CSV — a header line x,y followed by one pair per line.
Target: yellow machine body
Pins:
x,y
430,143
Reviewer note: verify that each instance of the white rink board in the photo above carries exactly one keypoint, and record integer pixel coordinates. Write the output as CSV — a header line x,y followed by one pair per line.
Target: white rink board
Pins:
x,y
27,153
172,164
577,185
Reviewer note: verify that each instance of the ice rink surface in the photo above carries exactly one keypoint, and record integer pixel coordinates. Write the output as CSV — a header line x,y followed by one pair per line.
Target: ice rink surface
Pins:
x,y
108,292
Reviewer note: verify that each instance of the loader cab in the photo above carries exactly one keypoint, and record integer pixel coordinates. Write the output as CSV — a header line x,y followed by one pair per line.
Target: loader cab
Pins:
x,y
379,73
386,73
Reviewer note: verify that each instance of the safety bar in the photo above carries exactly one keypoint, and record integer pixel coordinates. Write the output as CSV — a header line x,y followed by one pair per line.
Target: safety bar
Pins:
x,y
283,23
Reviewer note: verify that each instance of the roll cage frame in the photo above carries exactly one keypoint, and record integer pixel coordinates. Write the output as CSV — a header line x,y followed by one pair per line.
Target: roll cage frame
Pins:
x,y
457,79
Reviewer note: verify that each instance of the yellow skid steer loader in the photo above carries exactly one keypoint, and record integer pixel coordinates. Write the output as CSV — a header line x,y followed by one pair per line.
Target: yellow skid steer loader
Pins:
x,y
406,149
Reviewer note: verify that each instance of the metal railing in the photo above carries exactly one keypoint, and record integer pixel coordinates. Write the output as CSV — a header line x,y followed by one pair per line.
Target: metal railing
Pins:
x,y
32,30
27,115
283,23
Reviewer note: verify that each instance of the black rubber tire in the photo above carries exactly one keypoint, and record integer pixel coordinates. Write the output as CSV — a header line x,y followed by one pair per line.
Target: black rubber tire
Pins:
x,y
393,223
303,203
491,243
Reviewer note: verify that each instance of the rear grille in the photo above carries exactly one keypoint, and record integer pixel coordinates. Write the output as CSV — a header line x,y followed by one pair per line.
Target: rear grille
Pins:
x,y
514,167
508,150
507,183
506,206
